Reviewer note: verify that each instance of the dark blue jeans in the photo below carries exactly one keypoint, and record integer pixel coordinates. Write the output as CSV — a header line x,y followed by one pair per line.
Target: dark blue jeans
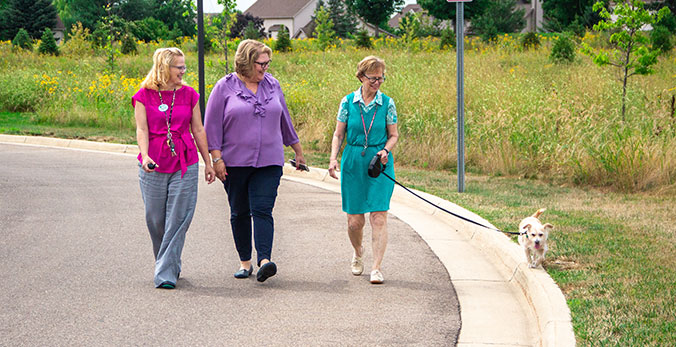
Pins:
x,y
251,194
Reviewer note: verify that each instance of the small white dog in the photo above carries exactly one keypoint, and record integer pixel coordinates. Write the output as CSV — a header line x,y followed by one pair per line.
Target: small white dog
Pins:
x,y
533,238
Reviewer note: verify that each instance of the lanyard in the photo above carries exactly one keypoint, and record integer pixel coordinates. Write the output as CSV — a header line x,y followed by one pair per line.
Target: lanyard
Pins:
x,y
366,132
163,108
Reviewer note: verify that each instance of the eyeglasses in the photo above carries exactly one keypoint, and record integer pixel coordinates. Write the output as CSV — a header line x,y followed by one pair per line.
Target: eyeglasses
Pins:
x,y
264,64
181,67
375,79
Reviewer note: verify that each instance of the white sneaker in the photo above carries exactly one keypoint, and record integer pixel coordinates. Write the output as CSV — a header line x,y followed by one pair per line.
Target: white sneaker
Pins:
x,y
377,277
357,263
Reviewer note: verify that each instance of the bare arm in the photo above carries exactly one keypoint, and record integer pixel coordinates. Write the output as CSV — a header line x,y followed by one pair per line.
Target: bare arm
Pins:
x,y
300,158
392,138
336,142
142,135
201,140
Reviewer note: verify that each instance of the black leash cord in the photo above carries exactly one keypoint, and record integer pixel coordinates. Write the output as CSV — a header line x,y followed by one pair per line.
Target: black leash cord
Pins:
x,y
445,210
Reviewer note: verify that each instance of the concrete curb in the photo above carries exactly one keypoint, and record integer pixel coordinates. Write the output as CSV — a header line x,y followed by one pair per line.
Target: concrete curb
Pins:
x,y
546,301
540,291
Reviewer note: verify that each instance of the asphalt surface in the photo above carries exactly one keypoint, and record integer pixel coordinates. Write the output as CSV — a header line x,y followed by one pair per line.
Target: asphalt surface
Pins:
x,y
77,267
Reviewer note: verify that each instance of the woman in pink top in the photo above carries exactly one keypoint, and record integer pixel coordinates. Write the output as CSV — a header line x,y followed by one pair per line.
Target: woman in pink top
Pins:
x,y
167,119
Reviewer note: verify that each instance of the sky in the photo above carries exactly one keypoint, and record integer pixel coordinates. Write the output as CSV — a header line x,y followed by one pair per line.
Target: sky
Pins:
x,y
211,6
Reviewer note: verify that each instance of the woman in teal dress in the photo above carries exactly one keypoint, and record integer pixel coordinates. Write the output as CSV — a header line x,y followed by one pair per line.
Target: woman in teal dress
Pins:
x,y
367,120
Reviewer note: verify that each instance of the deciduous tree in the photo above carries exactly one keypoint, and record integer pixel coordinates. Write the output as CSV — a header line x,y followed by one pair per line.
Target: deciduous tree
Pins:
x,y
375,12
446,10
632,54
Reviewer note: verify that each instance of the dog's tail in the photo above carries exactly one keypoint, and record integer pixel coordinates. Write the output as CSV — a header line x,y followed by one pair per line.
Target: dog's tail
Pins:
x,y
539,212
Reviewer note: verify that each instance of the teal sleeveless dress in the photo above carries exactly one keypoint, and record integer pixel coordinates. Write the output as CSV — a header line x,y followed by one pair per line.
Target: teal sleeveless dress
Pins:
x,y
361,193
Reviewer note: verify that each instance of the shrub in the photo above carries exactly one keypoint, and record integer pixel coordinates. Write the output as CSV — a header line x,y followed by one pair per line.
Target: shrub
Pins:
x,y
251,33
530,40
48,44
150,29
22,40
78,44
447,38
283,43
363,39
24,94
661,39
563,50
129,44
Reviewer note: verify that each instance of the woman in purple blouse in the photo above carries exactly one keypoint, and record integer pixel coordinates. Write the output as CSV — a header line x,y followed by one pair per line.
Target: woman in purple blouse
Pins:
x,y
248,125
167,119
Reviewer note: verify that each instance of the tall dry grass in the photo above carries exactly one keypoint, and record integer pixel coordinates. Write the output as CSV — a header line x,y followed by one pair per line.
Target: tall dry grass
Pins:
x,y
524,115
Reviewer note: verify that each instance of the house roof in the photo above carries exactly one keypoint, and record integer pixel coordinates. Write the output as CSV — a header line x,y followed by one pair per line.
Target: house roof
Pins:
x,y
277,8
394,21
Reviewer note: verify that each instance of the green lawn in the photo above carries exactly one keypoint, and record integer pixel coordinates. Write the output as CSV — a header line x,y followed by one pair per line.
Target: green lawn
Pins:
x,y
27,124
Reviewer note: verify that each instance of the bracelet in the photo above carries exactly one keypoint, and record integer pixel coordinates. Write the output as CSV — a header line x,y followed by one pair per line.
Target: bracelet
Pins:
x,y
386,150
215,160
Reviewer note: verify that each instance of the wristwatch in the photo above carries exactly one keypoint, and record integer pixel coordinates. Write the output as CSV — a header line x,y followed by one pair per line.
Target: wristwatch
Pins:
x,y
215,160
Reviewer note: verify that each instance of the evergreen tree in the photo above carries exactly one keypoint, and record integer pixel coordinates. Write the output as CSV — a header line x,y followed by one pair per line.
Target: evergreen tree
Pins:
x,y
251,32
363,39
344,23
48,44
22,40
283,43
324,30
32,15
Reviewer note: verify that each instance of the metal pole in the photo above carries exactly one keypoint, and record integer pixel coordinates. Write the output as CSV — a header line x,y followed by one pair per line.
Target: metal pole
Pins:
x,y
460,52
200,55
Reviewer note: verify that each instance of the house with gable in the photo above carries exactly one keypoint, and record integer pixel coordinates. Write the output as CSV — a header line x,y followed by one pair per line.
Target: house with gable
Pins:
x,y
276,14
296,16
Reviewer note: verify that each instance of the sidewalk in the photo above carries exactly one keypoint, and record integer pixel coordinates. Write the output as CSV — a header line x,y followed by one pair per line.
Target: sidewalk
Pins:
x,y
502,301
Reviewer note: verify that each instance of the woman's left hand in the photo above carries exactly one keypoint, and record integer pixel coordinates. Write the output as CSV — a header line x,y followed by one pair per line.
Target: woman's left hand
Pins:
x,y
383,156
209,174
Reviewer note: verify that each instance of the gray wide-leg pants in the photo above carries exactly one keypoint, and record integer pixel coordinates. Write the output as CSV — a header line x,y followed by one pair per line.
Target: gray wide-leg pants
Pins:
x,y
170,205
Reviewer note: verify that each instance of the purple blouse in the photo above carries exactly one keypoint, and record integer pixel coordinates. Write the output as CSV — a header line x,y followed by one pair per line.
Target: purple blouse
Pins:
x,y
249,129
158,150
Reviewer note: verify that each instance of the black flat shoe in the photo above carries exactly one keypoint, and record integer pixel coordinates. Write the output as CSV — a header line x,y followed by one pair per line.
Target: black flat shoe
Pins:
x,y
167,285
244,273
266,271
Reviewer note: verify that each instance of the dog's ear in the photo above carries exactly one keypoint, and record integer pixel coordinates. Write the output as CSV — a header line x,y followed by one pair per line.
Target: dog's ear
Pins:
x,y
548,226
527,227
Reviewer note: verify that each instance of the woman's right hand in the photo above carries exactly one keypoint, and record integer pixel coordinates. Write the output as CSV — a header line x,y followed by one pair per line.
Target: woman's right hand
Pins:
x,y
146,161
221,172
333,167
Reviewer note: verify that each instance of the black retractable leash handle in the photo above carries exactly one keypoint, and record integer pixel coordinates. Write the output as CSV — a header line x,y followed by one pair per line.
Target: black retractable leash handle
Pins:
x,y
376,168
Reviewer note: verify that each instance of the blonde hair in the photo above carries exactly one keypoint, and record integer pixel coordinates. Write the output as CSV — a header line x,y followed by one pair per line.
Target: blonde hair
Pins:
x,y
247,53
160,74
369,64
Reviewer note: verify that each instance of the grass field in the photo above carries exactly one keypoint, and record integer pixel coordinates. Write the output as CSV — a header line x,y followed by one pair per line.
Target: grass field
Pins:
x,y
537,134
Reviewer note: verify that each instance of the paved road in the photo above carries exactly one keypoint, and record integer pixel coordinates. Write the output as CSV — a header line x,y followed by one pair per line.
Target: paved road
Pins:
x,y
77,265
